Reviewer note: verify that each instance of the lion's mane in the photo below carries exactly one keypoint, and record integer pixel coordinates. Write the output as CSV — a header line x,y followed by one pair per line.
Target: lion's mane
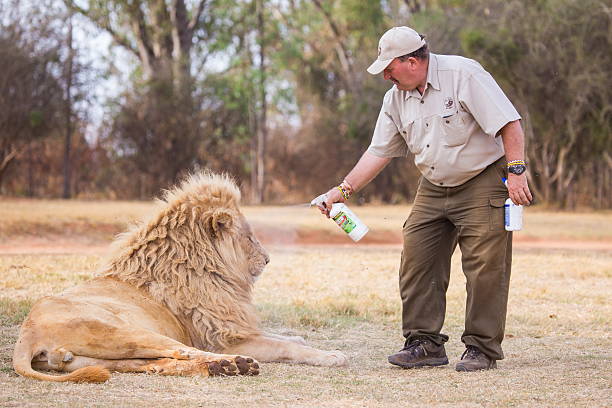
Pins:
x,y
188,255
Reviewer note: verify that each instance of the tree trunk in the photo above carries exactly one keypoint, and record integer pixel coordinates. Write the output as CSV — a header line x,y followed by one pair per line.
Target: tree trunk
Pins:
x,y
162,34
349,78
6,158
68,142
262,134
30,159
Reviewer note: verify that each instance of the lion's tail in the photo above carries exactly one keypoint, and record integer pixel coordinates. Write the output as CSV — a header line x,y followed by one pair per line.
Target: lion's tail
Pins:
x,y
22,363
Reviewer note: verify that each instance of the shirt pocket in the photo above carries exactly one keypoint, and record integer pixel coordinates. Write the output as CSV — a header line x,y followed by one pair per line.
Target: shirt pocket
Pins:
x,y
412,141
454,127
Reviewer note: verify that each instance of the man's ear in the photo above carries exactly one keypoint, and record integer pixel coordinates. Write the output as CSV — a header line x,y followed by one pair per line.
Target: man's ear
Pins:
x,y
220,220
412,62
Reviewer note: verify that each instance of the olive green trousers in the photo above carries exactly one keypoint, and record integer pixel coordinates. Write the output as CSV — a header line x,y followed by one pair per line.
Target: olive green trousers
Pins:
x,y
471,215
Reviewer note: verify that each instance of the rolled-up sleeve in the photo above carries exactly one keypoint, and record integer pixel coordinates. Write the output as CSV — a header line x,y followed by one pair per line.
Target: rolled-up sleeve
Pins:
x,y
386,140
487,103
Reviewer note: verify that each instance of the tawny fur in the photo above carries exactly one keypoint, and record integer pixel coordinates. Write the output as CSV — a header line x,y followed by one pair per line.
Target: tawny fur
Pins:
x,y
182,262
174,293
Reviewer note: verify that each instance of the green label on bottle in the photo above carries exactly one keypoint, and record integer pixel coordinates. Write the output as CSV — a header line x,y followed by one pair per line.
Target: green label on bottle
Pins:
x,y
344,222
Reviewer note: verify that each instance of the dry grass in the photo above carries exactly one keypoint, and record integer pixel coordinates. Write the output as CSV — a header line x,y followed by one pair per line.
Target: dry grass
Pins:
x,y
345,297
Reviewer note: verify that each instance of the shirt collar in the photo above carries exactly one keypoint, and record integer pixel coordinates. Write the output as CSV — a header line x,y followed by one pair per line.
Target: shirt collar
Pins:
x,y
432,72
432,77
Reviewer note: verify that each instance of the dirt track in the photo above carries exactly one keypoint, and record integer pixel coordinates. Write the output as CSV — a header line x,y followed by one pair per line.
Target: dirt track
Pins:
x,y
53,244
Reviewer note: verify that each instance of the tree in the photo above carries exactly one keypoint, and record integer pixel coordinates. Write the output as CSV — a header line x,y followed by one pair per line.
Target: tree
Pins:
x,y
157,122
160,34
68,77
31,94
553,58
259,149
324,52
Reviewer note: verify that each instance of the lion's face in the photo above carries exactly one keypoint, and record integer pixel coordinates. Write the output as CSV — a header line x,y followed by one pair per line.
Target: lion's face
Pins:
x,y
256,255
235,242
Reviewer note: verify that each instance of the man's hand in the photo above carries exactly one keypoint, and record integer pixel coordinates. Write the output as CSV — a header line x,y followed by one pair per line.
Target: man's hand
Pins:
x,y
518,189
514,146
364,171
324,201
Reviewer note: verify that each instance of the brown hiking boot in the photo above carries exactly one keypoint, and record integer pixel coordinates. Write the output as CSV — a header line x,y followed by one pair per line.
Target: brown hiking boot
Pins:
x,y
473,359
419,353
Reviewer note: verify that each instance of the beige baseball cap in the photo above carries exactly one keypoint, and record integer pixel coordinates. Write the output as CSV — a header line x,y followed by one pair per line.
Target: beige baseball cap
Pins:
x,y
394,43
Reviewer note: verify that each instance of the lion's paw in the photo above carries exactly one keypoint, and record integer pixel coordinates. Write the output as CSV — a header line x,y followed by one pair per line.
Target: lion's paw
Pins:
x,y
334,358
234,366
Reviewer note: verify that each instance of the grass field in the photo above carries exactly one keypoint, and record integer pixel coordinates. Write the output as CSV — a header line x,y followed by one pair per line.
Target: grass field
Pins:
x,y
341,296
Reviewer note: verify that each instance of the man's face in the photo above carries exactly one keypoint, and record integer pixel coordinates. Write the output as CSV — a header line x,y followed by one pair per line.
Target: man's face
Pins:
x,y
407,75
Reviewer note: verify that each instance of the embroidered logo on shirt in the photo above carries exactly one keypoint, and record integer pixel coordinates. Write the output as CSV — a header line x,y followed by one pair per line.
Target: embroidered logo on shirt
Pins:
x,y
448,102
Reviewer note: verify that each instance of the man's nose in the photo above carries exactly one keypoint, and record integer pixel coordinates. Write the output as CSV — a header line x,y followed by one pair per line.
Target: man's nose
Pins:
x,y
386,75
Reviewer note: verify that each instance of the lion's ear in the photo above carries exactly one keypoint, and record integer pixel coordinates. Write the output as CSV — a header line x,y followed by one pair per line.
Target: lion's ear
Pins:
x,y
220,220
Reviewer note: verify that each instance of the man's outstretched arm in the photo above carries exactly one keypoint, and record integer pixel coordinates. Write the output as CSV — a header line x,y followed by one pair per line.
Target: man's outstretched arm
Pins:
x,y
364,171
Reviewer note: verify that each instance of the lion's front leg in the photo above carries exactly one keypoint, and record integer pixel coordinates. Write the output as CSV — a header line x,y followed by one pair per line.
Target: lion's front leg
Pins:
x,y
268,349
294,339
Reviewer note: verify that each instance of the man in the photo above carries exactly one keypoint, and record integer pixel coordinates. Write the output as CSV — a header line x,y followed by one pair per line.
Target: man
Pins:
x,y
465,136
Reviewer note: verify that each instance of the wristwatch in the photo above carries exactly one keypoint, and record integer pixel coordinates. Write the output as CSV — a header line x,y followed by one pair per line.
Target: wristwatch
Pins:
x,y
517,169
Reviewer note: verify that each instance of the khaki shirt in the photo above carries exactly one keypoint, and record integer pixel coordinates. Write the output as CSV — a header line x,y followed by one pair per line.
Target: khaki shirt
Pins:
x,y
452,129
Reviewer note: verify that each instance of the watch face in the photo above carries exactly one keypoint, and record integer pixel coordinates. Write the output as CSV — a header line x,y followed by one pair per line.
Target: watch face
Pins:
x,y
517,169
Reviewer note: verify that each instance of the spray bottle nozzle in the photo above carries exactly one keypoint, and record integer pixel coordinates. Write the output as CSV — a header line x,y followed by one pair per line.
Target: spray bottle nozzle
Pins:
x,y
320,200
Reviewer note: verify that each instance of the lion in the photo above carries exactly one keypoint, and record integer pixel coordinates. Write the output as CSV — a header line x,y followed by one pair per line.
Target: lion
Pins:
x,y
173,298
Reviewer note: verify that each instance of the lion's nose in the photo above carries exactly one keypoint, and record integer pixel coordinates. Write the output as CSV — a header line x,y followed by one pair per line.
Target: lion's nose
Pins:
x,y
267,258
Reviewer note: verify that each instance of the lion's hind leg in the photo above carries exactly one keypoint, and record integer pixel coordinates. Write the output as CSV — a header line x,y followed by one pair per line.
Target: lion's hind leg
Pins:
x,y
133,343
198,360
58,358
202,365
216,364
132,349
142,350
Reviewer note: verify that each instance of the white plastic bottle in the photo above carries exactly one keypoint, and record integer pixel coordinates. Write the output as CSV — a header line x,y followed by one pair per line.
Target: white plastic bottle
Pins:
x,y
348,221
513,214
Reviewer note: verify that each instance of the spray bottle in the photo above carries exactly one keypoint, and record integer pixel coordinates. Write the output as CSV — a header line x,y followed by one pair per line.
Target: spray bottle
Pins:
x,y
513,214
345,218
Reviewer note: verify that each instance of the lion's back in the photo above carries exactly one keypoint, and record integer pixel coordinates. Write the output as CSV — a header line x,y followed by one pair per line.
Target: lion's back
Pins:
x,y
102,306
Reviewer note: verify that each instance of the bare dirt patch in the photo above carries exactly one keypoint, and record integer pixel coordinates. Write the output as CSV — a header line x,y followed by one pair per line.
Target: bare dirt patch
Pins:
x,y
85,243
59,226
391,238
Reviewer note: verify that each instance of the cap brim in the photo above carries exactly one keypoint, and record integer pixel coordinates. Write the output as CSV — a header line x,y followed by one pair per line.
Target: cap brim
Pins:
x,y
379,66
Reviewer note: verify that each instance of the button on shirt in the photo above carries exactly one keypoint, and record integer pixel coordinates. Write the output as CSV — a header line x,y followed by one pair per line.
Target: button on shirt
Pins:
x,y
453,128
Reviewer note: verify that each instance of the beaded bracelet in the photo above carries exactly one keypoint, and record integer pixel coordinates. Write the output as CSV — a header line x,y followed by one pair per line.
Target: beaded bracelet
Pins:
x,y
346,184
515,162
345,193
348,189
